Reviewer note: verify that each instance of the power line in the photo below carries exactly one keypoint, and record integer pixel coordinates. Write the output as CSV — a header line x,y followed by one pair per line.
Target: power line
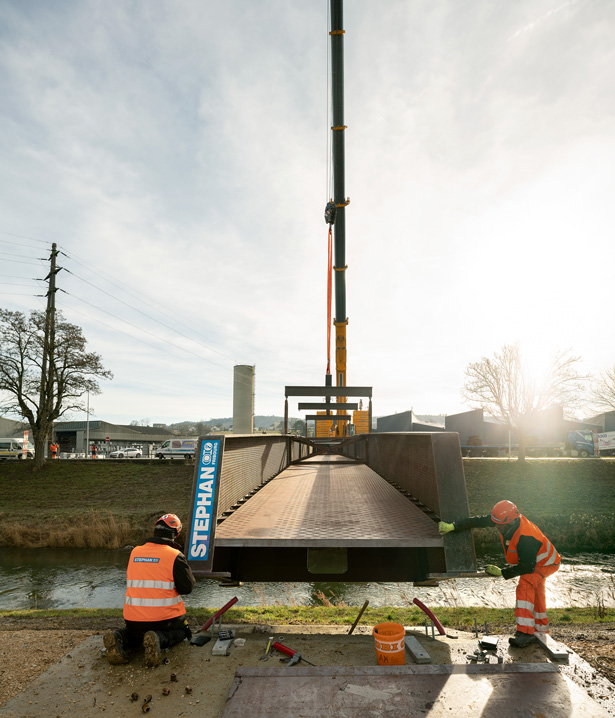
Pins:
x,y
23,236
18,244
155,336
20,285
144,313
19,261
98,271
153,346
141,297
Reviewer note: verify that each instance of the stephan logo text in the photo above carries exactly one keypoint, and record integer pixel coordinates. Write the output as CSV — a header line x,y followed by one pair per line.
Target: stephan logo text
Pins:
x,y
202,518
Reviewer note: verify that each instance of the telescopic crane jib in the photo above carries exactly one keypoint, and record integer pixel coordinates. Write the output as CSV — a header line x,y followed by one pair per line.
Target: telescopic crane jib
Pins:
x,y
335,211
335,217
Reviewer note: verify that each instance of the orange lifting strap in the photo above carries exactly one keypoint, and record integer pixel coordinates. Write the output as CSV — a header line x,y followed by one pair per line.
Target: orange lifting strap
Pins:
x,y
329,295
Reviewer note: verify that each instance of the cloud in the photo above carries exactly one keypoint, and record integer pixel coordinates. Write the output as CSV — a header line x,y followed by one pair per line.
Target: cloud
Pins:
x,y
177,153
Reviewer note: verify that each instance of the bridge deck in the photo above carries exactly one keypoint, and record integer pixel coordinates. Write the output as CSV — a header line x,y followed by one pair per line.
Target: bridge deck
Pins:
x,y
328,501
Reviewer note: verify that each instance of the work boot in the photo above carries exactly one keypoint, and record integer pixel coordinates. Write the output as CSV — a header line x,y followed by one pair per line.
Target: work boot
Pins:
x,y
522,639
115,652
151,643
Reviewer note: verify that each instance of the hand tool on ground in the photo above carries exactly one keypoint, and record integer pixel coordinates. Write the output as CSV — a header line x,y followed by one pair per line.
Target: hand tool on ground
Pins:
x,y
201,638
267,653
354,625
289,652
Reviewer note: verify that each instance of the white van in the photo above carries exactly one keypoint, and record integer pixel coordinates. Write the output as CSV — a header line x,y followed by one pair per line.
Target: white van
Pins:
x,y
13,449
177,447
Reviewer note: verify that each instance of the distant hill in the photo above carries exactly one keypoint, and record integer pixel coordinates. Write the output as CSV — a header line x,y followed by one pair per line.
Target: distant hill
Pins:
x,y
260,422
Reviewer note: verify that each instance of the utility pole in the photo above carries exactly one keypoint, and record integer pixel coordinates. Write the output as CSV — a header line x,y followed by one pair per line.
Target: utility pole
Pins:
x,y
87,430
48,361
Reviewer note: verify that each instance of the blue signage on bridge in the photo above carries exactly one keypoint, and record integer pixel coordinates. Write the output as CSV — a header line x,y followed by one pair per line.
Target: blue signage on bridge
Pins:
x,y
202,525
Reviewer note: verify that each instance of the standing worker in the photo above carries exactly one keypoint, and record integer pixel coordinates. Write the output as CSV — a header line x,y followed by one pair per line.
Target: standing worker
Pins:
x,y
53,448
157,576
531,556
94,450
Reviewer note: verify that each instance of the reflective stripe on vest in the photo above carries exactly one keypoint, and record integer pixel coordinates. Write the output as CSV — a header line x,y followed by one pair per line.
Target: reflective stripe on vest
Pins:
x,y
169,585
150,589
547,555
129,601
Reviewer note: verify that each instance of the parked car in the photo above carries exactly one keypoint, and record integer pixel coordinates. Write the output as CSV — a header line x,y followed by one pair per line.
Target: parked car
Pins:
x,y
128,452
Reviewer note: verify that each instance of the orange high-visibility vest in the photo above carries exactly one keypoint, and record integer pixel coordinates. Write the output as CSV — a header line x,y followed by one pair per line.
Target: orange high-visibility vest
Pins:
x,y
547,555
150,589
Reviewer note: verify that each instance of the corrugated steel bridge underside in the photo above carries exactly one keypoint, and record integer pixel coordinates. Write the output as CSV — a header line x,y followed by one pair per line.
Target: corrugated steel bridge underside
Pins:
x,y
365,513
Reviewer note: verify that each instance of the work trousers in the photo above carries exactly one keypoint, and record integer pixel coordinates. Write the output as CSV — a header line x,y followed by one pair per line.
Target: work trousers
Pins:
x,y
169,632
531,606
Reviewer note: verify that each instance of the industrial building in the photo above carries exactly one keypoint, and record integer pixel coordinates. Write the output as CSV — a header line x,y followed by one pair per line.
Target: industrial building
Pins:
x,y
404,421
73,436
475,430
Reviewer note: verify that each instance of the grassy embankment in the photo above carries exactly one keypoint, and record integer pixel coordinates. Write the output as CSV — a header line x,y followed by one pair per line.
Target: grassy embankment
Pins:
x,y
572,500
460,618
110,504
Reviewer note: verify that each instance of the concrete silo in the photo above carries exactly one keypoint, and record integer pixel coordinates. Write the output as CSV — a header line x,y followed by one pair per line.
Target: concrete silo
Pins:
x,y
243,399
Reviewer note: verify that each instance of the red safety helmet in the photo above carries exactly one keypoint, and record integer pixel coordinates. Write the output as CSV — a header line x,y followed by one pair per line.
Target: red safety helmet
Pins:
x,y
172,522
504,512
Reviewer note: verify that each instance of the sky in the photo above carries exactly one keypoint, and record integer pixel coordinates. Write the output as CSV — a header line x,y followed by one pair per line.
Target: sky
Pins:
x,y
177,151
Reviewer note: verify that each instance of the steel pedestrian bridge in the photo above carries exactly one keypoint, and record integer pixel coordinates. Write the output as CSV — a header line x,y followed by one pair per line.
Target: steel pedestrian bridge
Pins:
x,y
364,509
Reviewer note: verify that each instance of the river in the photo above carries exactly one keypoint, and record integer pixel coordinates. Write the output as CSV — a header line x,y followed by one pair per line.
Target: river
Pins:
x,y
71,578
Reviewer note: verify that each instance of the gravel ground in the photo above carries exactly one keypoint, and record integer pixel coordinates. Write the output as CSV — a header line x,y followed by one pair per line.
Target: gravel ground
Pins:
x,y
28,647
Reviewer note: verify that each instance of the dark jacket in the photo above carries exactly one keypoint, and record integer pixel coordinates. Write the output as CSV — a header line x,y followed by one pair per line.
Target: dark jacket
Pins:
x,y
527,547
182,573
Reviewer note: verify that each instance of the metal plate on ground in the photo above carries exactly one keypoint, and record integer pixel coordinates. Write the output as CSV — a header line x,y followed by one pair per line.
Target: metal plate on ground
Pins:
x,y
556,650
489,691
332,504
414,648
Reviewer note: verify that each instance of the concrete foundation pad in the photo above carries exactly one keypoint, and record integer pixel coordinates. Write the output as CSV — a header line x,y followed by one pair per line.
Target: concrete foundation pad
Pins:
x,y
84,684
489,691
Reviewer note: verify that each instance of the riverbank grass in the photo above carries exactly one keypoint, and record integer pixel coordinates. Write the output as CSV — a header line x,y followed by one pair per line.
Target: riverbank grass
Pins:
x,y
460,618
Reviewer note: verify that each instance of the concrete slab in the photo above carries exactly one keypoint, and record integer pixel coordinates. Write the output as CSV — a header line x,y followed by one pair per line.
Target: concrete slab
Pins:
x,y
84,684
489,691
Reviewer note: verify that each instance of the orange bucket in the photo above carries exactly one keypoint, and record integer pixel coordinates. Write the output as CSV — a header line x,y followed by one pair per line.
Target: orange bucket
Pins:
x,y
390,646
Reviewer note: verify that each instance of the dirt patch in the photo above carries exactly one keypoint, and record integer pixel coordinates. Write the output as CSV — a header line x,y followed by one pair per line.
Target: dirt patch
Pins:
x,y
24,655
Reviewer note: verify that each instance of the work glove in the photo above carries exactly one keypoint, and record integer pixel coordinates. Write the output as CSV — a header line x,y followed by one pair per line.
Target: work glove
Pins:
x,y
445,528
493,570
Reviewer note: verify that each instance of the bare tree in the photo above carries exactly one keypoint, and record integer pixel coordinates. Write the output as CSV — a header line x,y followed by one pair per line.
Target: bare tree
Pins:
x,y
74,372
603,391
504,389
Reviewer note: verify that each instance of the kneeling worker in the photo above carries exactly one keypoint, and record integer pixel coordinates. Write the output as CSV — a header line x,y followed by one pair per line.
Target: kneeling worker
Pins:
x,y
532,557
157,576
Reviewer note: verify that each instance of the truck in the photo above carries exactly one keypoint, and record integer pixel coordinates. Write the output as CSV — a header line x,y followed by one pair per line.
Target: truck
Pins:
x,y
184,448
579,443
12,448
606,443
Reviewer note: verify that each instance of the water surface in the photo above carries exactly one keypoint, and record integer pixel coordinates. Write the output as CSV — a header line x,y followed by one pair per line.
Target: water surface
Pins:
x,y
77,578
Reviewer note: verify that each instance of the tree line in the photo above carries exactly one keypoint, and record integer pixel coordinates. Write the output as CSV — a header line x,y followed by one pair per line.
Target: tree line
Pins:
x,y
42,379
